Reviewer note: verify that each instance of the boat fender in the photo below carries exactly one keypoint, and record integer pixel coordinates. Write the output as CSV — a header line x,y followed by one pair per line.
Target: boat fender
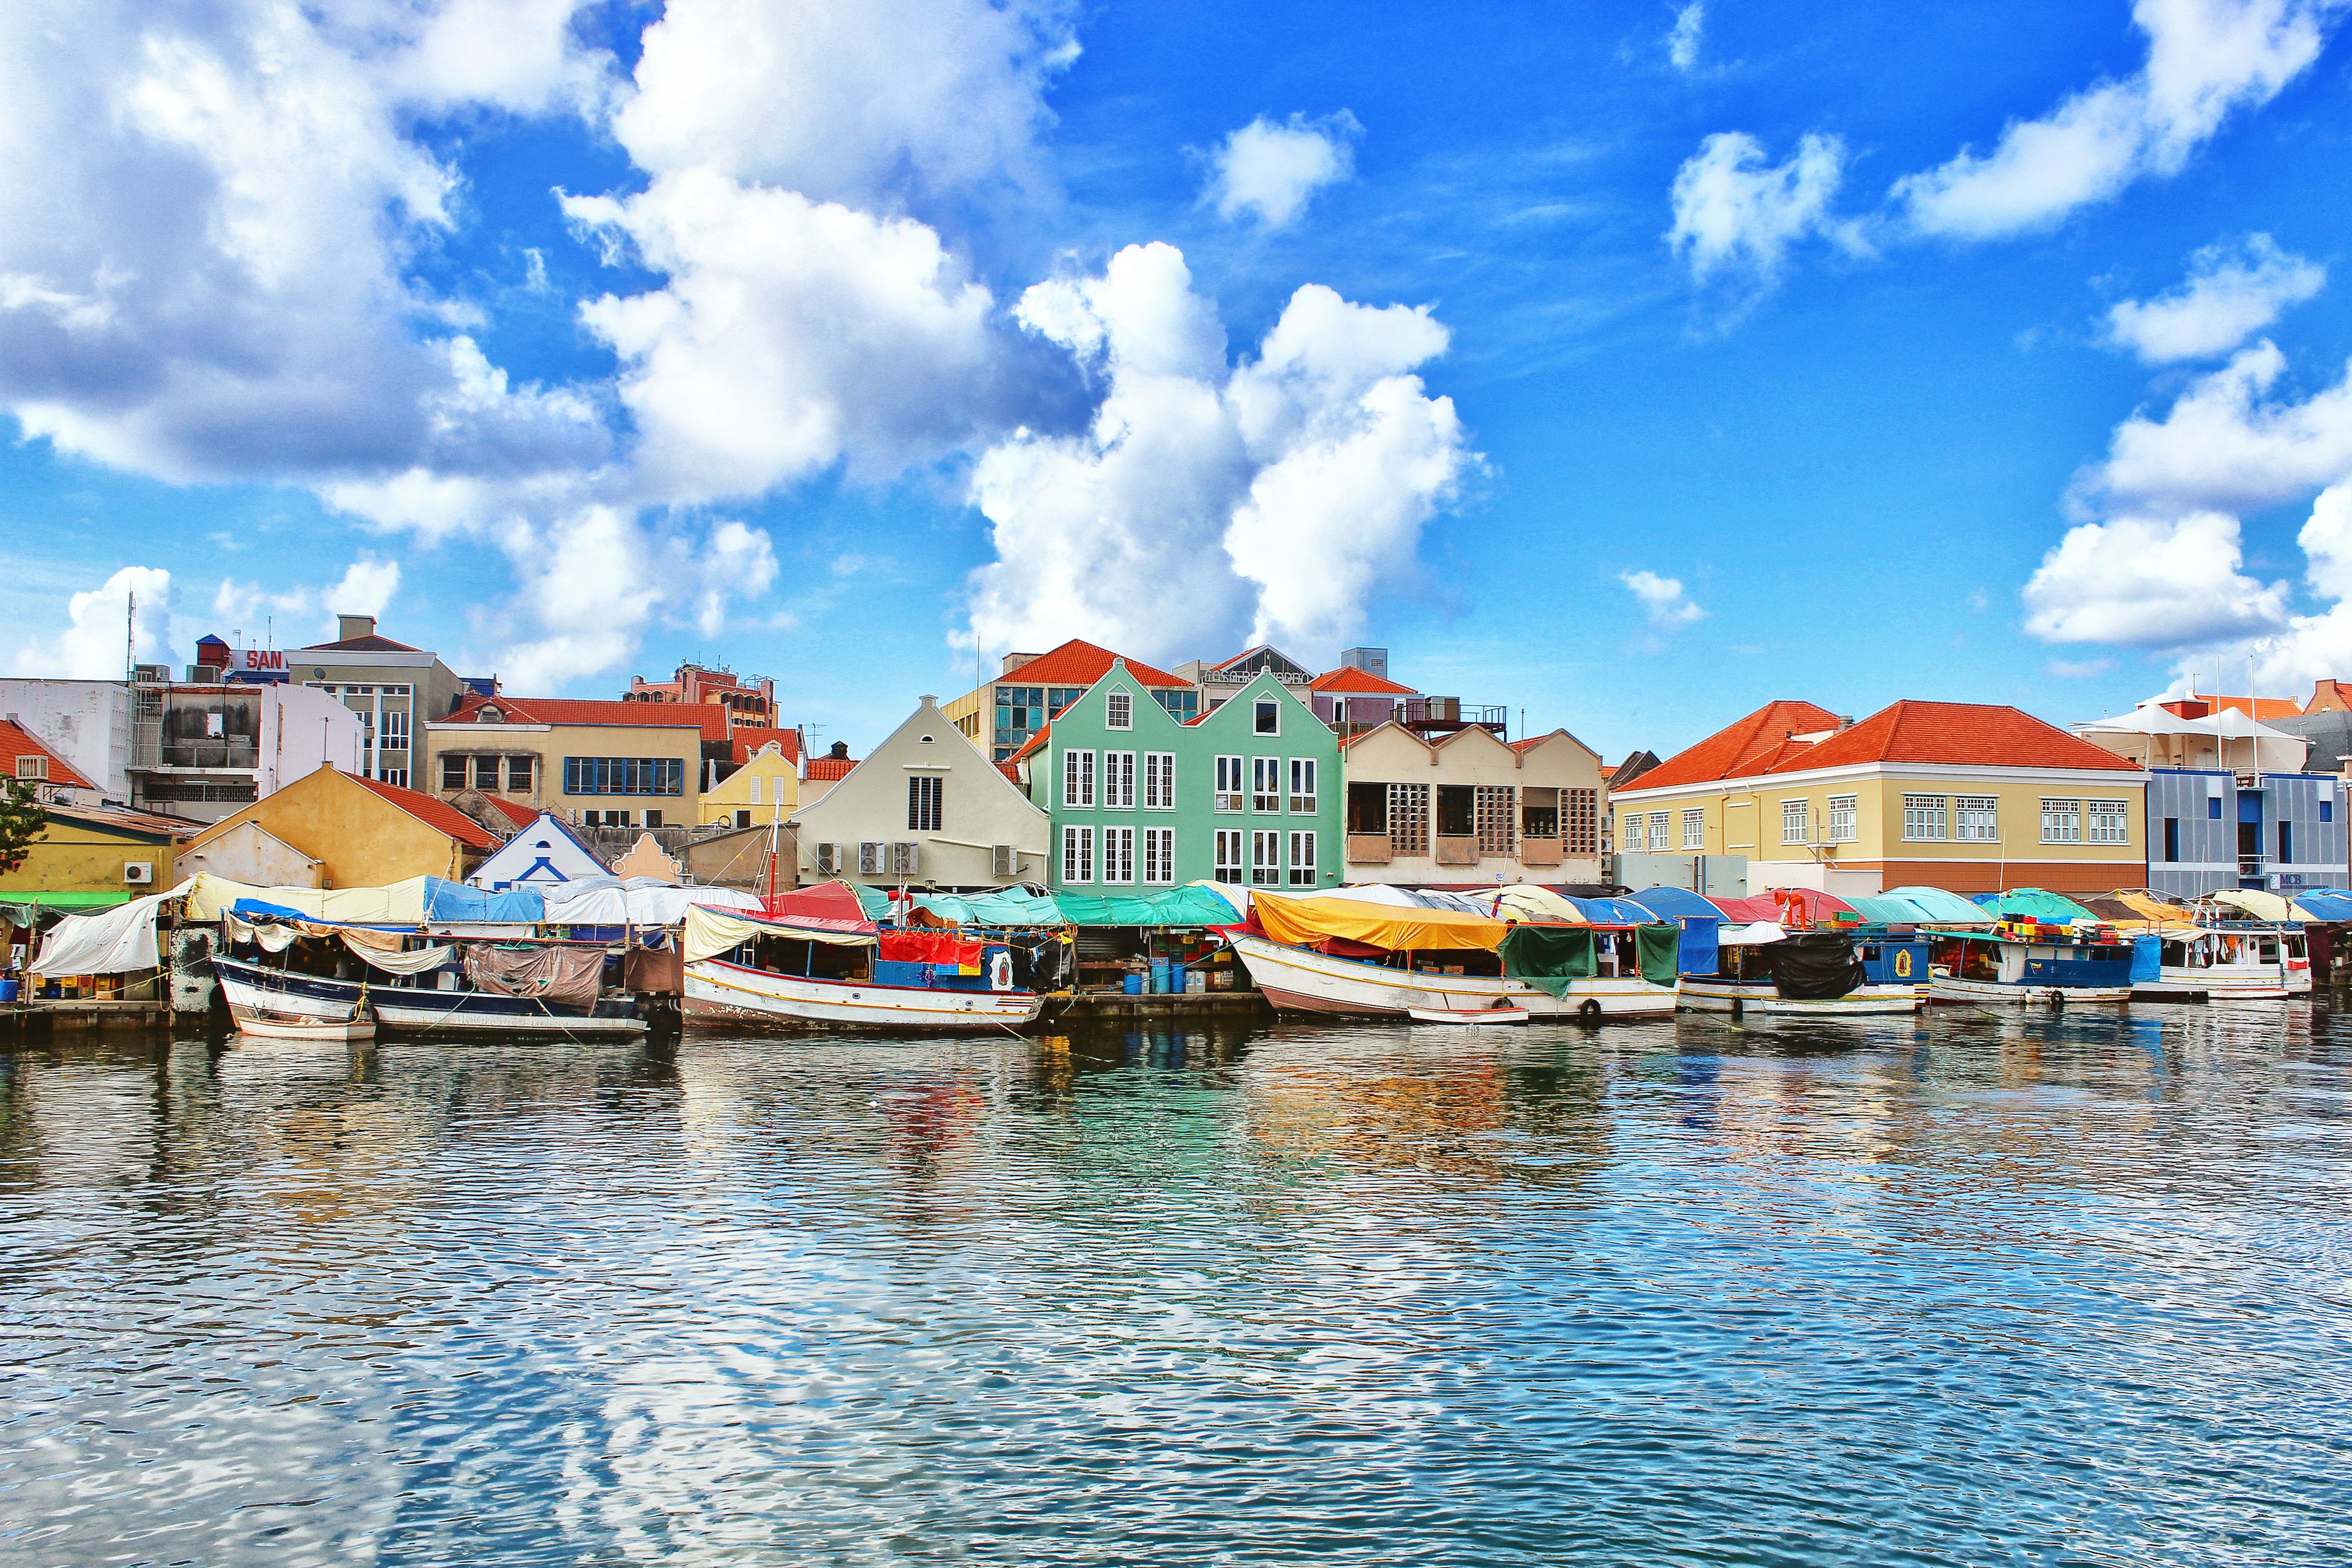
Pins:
x,y
1589,1012
2057,998
999,971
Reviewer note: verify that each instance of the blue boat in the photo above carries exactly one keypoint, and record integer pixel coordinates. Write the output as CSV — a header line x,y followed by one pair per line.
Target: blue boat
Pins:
x,y
2041,964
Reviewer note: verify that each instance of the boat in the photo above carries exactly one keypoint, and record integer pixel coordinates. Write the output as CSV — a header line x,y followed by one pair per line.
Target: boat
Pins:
x,y
412,1008
2229,964
1329,954
272,1024
1474,1016
2030,963
1764,967
816,962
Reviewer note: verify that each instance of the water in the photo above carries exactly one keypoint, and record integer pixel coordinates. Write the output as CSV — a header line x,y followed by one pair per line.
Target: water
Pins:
x,y
1970,1289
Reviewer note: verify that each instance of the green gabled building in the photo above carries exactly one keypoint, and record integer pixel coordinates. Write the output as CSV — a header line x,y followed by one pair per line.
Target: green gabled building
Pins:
x,y
1248,793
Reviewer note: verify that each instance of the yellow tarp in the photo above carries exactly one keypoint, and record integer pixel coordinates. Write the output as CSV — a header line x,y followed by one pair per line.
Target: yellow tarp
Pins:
x,y
2155,910
709,932
1306,921
402,903
1538,904
2263,906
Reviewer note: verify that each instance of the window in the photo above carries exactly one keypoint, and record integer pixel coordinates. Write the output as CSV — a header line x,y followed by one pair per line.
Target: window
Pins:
x,y
753,792
486,772
1657,838
1118,782
1795,817
1267,717
2172,838
1302,859
2110,822
1159,781
2062,822
1302,784
1266,860
1494,810
1077,855
2286,843
1060,697
1118,711
653,818
2327,810
1408,814
1182,706
1980,818
1077,780
1020,714
1583,822
922,802
396,730
1159,857
1539,813
1368,808
519,773
623,775
1695,828
1118,854
1457,811
396,777
453,773
1229,784
1923,816
1229,856
1265,784
2213,808
1841,810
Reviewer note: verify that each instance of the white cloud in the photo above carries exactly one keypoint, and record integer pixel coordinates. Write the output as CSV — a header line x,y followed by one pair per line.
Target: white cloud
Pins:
x,y
2233,292
2309,647
2205,59
2079,669
1270,170
247,608
101,633
1203,503
2150,583
1734,213
1683,37
2226,444
1662,599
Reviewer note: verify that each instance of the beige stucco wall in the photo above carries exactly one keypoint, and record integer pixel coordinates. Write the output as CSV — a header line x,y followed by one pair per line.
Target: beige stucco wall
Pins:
x,y
249,853
1392,754
551,743
980,808
776,796
359,838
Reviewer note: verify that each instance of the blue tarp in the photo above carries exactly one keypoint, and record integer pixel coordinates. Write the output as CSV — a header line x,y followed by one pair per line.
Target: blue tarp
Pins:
x,y
1701,922
255,908
1673,903
455,902
1614,911
1009,907
2329,904
2148,959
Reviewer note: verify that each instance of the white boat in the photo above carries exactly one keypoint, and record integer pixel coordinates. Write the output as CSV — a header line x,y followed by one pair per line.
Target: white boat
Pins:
x,y
412,1009
2021,993
1702,994
2230,963
1885,974
1473,1017
1299,980
719,991
272,1024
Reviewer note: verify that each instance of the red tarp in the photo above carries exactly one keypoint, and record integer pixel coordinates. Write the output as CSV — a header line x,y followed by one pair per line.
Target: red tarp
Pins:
x,y
942,949
828,906
1774,906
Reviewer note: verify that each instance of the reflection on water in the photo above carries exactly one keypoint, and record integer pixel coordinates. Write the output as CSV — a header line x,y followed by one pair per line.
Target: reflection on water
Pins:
x,y
2032,1288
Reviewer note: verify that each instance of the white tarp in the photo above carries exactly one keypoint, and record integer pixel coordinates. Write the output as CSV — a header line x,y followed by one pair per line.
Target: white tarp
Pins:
x,y
401,903
1751,935
709,932
640,901
119,941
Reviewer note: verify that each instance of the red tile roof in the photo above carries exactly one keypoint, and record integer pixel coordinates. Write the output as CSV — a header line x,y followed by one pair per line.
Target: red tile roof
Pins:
x,y
520,815
1011,771
1032,744
15,740
436,815
1077,663
1727,752
749,738
1955,734
368,644
1346,678
707,717
2256,708
829,767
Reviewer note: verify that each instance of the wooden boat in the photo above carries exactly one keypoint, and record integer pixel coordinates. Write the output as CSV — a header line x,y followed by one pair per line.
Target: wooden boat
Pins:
x,y
407,1009
2230,963
1812,974
270,1024
1474,1016
2038,964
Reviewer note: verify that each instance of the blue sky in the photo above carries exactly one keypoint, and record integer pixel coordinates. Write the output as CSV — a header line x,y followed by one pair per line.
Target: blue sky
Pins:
x,y
1628,365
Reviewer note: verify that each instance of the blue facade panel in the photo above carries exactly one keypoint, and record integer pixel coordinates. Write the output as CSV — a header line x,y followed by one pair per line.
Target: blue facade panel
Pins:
x,y
2206,830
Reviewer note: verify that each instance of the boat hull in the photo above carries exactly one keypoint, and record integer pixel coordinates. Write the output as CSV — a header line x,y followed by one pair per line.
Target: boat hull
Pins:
x,y
2215,983
1701,995
1474,1017
413,1010
718,992
267,1025
2038,994
1297,981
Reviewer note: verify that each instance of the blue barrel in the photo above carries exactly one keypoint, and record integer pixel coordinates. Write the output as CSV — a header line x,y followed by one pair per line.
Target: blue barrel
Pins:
x,y
1134,985
7,991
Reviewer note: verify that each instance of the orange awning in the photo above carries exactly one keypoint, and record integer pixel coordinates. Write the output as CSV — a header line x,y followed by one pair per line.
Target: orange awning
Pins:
x,y
1306,921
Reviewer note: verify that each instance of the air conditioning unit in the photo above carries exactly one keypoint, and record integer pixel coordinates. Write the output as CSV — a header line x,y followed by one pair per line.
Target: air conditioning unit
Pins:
x,y
33,766
828,860
137,872
1004,860
152,675
906,860
872,860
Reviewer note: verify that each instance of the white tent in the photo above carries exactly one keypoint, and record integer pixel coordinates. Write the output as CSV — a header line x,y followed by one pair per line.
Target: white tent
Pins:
x,y
2224,738
120,941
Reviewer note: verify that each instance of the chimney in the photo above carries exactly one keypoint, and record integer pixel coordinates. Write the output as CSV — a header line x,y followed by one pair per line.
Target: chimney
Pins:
x,y
840,751
1013,661
350,627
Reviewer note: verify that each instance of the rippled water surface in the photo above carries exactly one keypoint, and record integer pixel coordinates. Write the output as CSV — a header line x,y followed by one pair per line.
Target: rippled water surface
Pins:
x,y
1970,1290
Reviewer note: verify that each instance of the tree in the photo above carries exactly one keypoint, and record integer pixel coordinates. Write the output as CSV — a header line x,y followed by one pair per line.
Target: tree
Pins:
x,y
22,821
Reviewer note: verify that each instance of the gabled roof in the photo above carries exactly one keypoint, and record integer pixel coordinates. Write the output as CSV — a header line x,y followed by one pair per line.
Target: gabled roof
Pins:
x,y
368,644
829,767
707,717
436,815
15,740
520,815
1252,652
749,738
1078,663
141,822
1733,751
1973,734
1034,744
1348,679
1011,771
2338,690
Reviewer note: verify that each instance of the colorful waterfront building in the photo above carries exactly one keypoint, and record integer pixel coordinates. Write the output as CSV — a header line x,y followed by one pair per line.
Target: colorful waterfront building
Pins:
x,y
1465,807
1248,793
1000,715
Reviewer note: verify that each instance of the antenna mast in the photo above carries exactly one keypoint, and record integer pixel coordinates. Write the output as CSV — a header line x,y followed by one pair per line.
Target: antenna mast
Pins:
x,y
129,634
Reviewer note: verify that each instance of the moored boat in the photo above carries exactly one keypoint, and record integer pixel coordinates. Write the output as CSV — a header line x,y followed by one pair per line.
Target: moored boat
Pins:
x,y
1764,968
2035,963
1475,1017
413,1005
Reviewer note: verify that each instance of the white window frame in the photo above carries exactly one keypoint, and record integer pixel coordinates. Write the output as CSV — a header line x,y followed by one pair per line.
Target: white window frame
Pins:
x,y
1695,827
2107,821
1231,776
1265,857
1302,801
1301,870
1118,780
1265,786
915,803
1843,810
1118,711
1967,806
1258,707
1119,856
1926,819
1159,857
1077,855
1077,780
1232,858
1159,781
1796,820
1660,823
2057,812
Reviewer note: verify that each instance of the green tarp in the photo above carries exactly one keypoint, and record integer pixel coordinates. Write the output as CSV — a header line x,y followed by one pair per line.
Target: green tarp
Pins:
x,y
26,908
2036,904
1549,957
1187,906
1654,948
1007,906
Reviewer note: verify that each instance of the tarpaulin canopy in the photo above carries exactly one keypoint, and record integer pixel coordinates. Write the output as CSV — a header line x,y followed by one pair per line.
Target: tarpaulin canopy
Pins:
x,y
642,901
1673,903
1656,948
113,942
1814,966
401,903
2033,903
2254,901
1549,957
828,906
1192,905
1613,911
2151,906
944,949
456,903
1306,921
1526,901
709,932
1748,909
875,901
1750,935
2329,904
1004,907
1938,906
570,975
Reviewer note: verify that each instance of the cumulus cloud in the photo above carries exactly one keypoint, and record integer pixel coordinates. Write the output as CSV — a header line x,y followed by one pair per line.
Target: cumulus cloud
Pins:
x,y
1683,37
1735,212
104,626
1662,599
2226,443
1206,504
2205,59
1269,170
365,588
2233,292
2150,583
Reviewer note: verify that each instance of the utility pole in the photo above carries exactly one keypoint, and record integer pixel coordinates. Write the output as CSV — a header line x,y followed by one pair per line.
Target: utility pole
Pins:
x,y
129,634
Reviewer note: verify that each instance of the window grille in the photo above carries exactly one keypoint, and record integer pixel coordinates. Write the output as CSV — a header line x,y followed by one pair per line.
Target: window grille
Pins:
x,y
519,774
1118,854
1302,785
1841,814
1118,780
2062,822
453,773
1795,816
1266,860
1495,813
1923,817
1078,780
1408,819
1118,711
486,772
1694,829
1077,855
1979,819
1265,784
1159,857
1229,784
922,802
1159,781
623,775
1229,856
1658,821
2110,822
1583,822
1302,859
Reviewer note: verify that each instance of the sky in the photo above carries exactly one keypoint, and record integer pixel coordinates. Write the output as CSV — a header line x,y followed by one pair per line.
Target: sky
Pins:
x,y
1625,366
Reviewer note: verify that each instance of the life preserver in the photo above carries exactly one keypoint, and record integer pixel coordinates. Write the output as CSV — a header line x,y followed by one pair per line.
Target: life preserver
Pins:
x,y
1902,963
1000,970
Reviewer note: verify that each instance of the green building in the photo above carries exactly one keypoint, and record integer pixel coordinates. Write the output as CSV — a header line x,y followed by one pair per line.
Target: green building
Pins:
x,y
1248,793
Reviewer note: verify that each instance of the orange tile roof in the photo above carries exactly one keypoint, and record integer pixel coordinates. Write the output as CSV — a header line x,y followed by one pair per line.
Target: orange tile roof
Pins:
x,y
15,740
707,717
2257,707
368,644
1011,771
1077,663
436,815
749,738
1346,678
1966,734
520,815
1032,744
829,767
1724,753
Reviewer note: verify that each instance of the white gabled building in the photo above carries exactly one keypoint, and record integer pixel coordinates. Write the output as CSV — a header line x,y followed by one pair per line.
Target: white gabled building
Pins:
x,y
925,806
544,854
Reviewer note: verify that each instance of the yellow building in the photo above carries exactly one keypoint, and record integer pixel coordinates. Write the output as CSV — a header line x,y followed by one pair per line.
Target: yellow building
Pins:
x,y
766,788
90,856
596,765
358,832
1959,795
